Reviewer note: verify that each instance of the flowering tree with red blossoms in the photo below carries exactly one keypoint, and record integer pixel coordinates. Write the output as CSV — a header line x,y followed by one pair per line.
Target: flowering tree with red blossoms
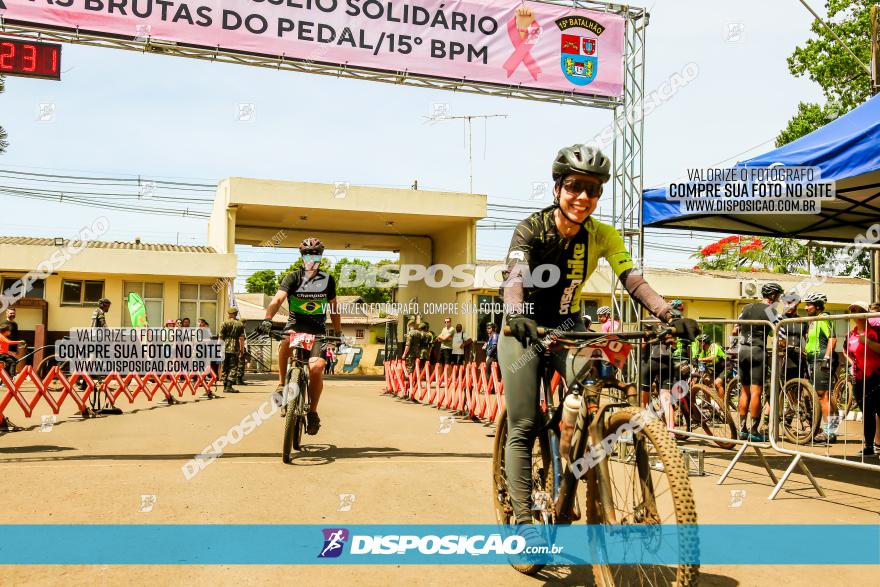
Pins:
x,y
748,253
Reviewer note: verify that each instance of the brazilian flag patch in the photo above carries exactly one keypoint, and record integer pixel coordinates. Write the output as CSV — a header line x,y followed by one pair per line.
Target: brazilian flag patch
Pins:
x,y
307,306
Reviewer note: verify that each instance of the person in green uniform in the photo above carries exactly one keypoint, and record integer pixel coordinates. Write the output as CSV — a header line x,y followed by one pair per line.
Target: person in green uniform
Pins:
x,y
819,349
412,346
232,334
427,345
713,356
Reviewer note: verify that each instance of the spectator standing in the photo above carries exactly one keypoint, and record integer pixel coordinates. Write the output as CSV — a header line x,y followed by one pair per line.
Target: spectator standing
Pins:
x,y
460,340
184,322
18,347
7,360
863,349
232,334
491,347
328,363
607,324
446,343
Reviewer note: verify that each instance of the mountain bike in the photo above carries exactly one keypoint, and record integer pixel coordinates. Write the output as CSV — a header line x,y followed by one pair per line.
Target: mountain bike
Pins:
x,y
647,484
295,397
699,406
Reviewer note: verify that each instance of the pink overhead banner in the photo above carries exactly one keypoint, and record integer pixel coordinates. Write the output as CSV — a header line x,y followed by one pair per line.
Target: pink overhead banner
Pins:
x,y
533,45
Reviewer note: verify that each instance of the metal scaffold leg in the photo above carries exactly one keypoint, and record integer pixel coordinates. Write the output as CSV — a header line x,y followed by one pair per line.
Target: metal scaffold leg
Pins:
x,y
738,456
796,462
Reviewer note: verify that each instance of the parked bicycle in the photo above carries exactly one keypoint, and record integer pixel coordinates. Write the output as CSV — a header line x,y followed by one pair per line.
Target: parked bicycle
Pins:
x,y
647,484
698,405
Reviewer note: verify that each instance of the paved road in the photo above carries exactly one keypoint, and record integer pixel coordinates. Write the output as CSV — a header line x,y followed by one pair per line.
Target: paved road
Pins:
x,y
386,452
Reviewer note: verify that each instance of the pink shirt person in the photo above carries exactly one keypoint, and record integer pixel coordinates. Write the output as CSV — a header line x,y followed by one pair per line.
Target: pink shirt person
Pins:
x,y
865,362
611,326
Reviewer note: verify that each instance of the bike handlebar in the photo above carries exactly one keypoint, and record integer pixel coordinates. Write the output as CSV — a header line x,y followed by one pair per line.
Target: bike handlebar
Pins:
x,y
278,335
545,331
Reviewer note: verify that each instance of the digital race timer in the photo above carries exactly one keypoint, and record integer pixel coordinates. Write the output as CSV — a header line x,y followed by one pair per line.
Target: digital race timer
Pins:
x,y
30,59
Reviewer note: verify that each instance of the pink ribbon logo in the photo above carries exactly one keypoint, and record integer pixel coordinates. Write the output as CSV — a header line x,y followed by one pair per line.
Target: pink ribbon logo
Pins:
x,y
522,52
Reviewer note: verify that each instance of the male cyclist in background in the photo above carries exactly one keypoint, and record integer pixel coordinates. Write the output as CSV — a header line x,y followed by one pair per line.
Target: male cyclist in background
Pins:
x,y
310,294
753,359
712,355
792,337
821,358
563,235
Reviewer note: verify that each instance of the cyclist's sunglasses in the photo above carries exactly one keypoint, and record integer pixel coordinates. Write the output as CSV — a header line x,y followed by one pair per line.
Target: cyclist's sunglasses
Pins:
x,y
576,187
311,258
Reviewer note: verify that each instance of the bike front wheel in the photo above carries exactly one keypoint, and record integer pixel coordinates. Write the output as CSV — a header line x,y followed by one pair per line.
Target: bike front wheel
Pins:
x,y
294,419
646,484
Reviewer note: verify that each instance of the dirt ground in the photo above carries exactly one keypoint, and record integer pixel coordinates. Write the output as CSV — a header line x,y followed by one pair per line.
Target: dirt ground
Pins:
x,y
386,452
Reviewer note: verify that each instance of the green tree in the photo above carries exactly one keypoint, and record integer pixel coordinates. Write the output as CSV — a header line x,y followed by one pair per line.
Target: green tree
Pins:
x,y
368,293
4,143
264,281
744,253
775,255
826,61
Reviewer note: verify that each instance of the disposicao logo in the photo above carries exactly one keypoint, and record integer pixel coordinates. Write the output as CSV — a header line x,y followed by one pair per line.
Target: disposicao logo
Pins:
x,y
334,541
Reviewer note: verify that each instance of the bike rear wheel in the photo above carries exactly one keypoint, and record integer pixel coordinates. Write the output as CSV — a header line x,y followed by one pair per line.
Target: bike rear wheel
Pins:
x,y
713,414
294,419
799,411
542,482
647,487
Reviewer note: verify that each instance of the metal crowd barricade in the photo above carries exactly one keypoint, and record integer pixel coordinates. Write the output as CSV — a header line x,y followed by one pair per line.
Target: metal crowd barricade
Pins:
x,y
694,406
848,390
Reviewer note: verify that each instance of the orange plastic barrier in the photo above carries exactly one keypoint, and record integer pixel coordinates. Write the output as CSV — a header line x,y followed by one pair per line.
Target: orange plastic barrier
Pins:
x,y
469,390
112,386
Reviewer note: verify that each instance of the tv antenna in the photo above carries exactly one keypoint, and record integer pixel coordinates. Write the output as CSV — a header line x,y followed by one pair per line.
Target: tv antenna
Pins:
x,y
441,113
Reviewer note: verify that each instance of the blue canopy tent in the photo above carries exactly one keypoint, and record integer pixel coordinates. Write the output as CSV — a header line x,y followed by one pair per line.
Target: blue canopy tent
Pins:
x,y
846,150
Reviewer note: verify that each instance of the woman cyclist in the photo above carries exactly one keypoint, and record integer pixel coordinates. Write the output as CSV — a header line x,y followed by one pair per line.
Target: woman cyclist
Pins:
x,y
566,237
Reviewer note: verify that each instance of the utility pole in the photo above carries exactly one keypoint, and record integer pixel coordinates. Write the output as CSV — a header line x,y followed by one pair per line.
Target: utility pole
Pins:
x,y
875,88
470,140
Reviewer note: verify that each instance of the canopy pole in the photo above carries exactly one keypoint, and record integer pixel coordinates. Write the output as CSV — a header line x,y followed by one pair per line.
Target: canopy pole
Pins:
x,y
875,87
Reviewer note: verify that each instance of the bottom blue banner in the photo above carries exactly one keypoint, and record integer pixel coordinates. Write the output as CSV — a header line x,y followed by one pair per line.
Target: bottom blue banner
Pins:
x,y
436,544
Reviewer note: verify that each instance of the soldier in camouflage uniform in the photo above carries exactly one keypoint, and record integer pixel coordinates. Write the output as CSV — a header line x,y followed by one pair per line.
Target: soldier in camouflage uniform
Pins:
x,y
428,339
232,334
412,346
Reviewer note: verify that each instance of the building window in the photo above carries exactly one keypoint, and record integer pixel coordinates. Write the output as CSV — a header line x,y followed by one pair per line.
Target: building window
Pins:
x,y
152,294
494,314
10,288
359,333
78,292
588,308
198,301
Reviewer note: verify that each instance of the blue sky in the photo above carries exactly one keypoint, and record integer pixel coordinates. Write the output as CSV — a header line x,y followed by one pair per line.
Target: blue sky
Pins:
x,y
126,113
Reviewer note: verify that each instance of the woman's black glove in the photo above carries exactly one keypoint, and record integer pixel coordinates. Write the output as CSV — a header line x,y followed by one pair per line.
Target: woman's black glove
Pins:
x,y
523,329
685,328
